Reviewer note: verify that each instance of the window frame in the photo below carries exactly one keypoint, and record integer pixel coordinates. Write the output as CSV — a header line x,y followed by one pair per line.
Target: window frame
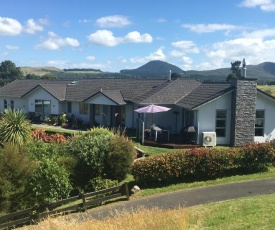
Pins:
x,y
83,108
219,128
261,126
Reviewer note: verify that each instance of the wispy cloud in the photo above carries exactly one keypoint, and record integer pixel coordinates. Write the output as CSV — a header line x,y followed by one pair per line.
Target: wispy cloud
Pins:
x,y
264,5
33,26
106,38
209,28
260,33
9,47
113,21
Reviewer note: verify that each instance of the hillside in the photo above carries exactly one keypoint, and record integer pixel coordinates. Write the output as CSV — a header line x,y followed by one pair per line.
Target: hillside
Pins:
x,y
153,69
264,72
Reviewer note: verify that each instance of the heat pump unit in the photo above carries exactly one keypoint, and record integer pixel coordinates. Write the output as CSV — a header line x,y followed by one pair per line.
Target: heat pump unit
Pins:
x,y
209,139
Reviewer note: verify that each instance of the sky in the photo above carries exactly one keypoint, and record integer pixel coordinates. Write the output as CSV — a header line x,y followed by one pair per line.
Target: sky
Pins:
x,y
112,35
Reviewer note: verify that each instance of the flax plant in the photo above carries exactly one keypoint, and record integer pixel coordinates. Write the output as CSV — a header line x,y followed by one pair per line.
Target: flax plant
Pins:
x,y
15,128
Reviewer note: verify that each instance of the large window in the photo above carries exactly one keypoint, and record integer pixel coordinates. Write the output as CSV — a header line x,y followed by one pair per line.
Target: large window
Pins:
x,y
221,123
83,108
259,123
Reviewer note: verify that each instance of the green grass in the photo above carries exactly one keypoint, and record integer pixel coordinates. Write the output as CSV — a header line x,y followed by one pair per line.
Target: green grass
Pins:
x,y
270,89
180,186
242,213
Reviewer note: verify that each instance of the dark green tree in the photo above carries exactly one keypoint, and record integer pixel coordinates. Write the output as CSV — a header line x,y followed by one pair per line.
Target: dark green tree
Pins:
x,y
48,76
236,71
9,72
32,76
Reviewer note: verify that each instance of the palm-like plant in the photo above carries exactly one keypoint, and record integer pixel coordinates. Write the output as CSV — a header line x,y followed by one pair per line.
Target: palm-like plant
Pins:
x,y
15,128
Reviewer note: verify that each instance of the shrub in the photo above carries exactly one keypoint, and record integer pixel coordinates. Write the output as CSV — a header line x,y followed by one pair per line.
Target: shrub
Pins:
x,y
119,157
40,134
16,167
90,150
49,183
203,163
100,183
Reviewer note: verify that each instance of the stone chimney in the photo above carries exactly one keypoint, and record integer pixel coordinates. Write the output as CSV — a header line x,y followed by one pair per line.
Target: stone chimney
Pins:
x,y
243,111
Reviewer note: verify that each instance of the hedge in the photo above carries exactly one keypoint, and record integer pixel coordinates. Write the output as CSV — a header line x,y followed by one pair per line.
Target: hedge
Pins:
x,y
203,163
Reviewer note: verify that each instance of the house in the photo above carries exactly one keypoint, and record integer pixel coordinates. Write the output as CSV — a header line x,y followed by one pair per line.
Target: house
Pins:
x,y
236,112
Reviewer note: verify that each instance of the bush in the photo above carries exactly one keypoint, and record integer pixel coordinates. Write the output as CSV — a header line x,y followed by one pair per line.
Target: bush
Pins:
x,y
90,150
16,167
100,183
49,183
119,158
203,163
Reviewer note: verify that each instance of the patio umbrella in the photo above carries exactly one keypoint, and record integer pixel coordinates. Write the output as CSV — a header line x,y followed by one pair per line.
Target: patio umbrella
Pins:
x,y
152,109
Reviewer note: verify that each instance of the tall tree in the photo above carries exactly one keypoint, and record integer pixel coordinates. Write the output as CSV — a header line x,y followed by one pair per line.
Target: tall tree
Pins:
x,y
9,72
236,71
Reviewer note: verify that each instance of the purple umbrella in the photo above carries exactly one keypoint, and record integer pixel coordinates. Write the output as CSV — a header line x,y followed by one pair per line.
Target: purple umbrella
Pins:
x,y
152,109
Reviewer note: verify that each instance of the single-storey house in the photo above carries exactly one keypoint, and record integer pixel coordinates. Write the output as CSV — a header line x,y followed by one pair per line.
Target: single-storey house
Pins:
x,y
235,112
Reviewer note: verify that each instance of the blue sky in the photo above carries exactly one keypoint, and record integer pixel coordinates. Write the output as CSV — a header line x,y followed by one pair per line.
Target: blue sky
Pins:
x,y
123,34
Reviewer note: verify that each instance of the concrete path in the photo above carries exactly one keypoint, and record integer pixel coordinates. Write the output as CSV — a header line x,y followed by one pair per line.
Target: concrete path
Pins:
x,y
186,198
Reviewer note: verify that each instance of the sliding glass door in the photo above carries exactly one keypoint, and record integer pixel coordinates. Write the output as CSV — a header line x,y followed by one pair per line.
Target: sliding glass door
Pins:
x,y
43,108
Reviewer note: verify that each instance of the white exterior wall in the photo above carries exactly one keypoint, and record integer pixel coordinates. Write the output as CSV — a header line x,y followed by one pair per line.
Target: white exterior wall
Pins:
x,y
265,103
40,94
206,116
129,119
75,111
19,103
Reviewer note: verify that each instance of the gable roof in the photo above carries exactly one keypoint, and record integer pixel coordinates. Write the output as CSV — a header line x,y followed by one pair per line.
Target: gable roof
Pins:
x,y
186,93
203,94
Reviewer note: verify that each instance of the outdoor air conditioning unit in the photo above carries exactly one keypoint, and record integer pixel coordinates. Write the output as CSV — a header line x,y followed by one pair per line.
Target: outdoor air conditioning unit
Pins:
x,y
209,139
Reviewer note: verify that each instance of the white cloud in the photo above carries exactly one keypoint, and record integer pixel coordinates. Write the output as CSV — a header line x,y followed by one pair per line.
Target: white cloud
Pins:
x,y
260,33
183,44
158,55
106,38
265,5
9,47
254,50
185,47
208,28
187,62
176,53
54,42
113,21
162,20
32,26
84,20
90,58
10,27
136,37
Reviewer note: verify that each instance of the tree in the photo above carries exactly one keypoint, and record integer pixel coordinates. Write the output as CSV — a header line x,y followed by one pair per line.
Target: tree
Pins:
x,y
48,76
15,128
9,72
236,72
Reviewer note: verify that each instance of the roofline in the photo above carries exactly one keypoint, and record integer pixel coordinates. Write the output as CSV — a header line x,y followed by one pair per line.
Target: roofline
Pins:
x,y
213,99
43,89
99,92
266,94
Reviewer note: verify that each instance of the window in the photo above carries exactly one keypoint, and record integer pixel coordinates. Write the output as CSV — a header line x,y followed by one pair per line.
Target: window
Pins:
x,y
69,107
221,123
83,108
5,104
259,123
12,105
97,110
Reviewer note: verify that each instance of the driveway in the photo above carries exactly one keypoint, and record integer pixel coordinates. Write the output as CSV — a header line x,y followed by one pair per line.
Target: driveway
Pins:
x,y
186,198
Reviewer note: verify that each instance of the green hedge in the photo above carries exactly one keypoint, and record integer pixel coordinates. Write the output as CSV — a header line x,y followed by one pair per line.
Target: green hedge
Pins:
x,y
203,163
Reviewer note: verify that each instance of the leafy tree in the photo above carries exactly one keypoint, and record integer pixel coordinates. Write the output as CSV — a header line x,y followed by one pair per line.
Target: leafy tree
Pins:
x,y
16,167
9,72
236,71
15,128
48,76
32,76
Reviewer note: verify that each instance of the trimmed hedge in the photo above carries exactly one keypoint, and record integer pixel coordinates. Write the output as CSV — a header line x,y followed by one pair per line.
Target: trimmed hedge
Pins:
x,y
203,163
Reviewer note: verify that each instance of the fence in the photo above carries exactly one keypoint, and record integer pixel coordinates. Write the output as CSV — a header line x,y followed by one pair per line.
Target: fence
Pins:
x,y
37,213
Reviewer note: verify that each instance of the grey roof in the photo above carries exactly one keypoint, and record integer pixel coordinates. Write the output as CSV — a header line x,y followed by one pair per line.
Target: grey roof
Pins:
x,y
203,94
114,95
186,93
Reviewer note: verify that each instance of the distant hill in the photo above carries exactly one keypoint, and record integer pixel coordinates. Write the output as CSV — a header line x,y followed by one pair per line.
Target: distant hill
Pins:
x,y
264,72
153,69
